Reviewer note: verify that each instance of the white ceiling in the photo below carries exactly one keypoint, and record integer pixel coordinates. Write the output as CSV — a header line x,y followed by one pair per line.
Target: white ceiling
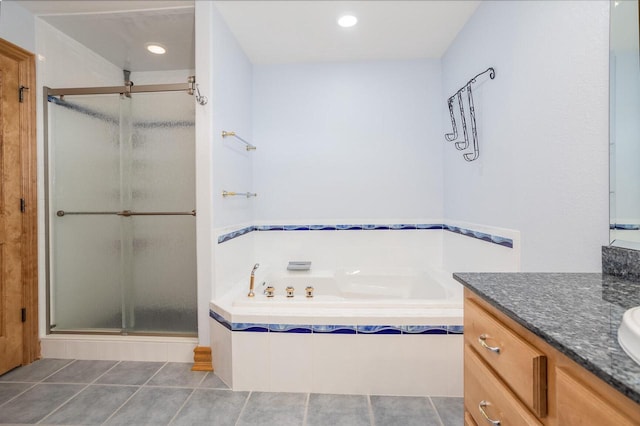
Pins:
x,y
306,31
268,31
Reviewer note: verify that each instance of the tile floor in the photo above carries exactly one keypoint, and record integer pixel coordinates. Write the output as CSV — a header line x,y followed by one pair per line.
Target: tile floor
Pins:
x,y
74,392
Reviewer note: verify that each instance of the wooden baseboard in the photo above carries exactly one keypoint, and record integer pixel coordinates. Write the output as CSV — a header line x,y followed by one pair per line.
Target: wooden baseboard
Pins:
x,y
202,359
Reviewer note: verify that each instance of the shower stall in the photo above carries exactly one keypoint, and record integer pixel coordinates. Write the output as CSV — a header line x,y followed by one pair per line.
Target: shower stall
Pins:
x,y
120,209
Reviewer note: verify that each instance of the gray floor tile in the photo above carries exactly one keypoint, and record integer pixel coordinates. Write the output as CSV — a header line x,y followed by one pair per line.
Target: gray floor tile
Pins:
x,y
36,403
10,390
212,406
36,371
212,381
451,410
177,374
273,409
352,410
92,406
81,372
130,373
403,410
151,406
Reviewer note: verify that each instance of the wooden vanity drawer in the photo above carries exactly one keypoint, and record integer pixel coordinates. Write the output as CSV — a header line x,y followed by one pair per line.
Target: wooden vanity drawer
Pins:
x,y
580,405
483,390
521,366
468,420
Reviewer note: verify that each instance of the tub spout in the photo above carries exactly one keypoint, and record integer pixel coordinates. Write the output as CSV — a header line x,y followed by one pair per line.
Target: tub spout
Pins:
x,y
253,274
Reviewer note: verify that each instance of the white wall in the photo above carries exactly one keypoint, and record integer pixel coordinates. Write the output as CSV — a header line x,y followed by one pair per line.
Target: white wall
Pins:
x,y
17,25
230,98
542,126
348,141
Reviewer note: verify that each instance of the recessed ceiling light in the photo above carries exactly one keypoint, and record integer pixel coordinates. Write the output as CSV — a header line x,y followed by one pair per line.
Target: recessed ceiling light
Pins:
x,y
347,21
156,48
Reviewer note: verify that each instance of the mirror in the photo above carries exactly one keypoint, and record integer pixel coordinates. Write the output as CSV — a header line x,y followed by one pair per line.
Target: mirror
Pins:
x,y
624,125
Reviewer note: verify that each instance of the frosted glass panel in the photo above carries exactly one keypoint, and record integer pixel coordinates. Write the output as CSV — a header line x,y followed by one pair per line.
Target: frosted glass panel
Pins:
x,y
85,149
164,274
86,266
163,152
110,153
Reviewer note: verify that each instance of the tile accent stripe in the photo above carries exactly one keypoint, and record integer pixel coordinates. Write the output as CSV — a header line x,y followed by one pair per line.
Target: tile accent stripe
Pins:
x,y
336,329
625,226
495,239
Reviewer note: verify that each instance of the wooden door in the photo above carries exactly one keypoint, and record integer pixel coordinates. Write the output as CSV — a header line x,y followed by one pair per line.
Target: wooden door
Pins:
x,y
17,227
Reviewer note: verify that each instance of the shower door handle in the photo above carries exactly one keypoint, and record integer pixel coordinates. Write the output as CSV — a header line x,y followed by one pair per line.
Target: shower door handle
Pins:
x,y
127,213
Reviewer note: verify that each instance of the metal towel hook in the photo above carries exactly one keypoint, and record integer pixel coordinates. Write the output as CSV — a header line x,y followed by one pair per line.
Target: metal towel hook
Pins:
x,y
202,100
194,89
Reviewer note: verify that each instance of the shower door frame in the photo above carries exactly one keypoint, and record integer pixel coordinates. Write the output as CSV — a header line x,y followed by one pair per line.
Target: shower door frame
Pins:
x,y
107,90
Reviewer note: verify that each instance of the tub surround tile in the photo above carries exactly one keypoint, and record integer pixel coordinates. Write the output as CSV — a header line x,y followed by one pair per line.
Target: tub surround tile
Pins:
x,y
621,262
334,329
248,326
625,226
424,329
455,329
494,239
378,329
571,313
37,402
289,328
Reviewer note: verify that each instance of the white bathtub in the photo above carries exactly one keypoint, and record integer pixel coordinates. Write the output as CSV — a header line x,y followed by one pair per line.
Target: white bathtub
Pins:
x,y
377,331
357,288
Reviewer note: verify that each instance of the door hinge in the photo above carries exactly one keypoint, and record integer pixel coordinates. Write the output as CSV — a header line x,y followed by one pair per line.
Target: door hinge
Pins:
x,y
24,314
21,93
22,205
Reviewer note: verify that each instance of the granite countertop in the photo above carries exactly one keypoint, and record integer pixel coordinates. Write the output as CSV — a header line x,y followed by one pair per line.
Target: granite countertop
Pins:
x,y
578,314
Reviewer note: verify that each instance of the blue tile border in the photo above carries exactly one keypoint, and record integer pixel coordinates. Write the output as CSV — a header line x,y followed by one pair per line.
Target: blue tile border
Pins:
x,y
502,241
337,328
625,226
494,239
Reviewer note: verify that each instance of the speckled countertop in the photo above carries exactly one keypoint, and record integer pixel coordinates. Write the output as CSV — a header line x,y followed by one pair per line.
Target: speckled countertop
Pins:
x,y
578,314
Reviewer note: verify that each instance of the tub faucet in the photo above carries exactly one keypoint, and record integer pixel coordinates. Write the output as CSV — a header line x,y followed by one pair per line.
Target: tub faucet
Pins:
x,y
253,274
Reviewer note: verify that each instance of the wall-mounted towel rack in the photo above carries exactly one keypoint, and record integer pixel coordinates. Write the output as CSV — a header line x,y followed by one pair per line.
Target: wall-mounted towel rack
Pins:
x,y
249,146
451,137
244,194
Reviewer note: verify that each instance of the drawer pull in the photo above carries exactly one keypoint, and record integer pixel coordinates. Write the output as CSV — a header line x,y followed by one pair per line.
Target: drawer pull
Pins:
x,y
482,342
484,414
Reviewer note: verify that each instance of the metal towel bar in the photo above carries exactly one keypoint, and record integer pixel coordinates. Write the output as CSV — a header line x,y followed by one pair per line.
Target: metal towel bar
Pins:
x,y
127,213
244,194
249,146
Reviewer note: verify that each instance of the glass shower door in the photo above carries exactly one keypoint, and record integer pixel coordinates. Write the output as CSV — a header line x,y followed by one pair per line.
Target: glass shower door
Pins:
x,y
122,225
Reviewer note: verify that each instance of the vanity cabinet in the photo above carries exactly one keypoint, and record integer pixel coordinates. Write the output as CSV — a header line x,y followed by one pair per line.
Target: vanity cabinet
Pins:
x,y
513,377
